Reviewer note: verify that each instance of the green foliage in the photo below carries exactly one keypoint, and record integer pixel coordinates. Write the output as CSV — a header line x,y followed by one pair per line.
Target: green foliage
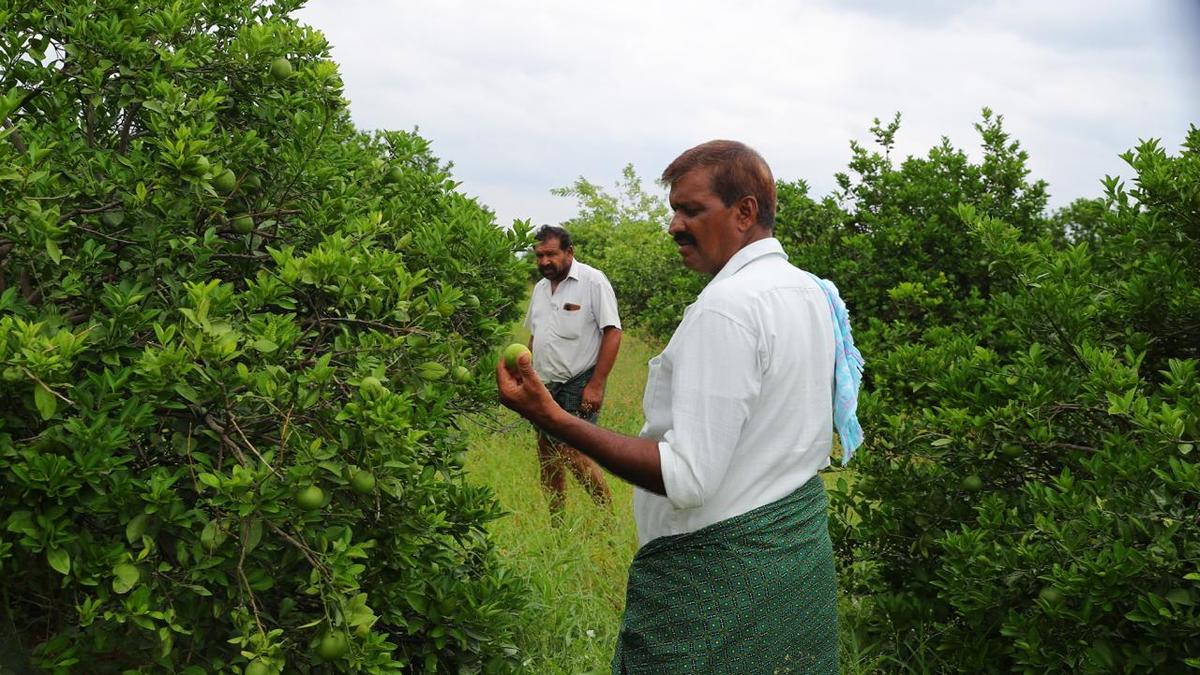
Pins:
x,y
625,236
181,358
1074,397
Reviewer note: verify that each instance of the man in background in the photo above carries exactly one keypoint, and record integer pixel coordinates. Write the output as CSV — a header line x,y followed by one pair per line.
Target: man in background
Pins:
x,y
575,332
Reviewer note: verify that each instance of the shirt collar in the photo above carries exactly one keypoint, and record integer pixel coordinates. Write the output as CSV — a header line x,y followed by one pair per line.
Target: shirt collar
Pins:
x,y
573,273
748,254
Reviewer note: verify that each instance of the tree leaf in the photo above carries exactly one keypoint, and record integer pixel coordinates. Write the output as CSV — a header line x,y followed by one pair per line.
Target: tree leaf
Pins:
x,y
136,527
45,400
60,560
126,577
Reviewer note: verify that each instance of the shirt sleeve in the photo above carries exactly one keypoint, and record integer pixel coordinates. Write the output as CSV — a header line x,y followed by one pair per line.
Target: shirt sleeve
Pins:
x,y
715,380
604,304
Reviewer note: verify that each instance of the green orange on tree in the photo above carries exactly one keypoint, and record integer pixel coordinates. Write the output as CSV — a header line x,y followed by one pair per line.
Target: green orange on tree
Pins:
x,y
972,483
310,498
225,182
257,667
198,165
113,218
333,645
243,224
363,482
461,374
281,69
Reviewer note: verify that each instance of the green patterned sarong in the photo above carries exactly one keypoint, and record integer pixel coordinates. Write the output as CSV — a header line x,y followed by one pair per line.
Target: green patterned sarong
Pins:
x,y
752,594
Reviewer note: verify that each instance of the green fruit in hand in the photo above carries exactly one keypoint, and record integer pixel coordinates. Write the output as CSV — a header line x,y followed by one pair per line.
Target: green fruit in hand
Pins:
x,y
363,482
243,224
394,175
461,374
225,182
198,166
333,646
281,69
257,667
513,354
972,483
311,498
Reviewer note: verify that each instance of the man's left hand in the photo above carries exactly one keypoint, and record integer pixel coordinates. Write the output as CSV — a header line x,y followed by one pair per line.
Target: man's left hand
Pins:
x,y
593,397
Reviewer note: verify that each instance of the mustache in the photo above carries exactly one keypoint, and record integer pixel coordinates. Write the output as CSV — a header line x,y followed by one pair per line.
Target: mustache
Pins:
x,y
683,238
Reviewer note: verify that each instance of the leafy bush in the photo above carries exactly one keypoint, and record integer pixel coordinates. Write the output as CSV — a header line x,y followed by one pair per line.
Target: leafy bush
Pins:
x,y
1035,510
235,334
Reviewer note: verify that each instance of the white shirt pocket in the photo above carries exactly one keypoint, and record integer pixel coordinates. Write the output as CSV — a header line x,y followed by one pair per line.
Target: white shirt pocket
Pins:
x,y
569,324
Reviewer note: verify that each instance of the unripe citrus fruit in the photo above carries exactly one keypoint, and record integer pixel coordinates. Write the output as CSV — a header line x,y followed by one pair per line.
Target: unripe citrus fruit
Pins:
x,y
363,482
257,667
513,354
113,218
310,498
461,374
225,182
394,175
972,483
333,645
198,165
281,69
1011,450
243,224
370,385
251,182
1051,596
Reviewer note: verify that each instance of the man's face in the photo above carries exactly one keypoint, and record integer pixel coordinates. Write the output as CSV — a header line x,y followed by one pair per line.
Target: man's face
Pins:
x,y
704,228
552,261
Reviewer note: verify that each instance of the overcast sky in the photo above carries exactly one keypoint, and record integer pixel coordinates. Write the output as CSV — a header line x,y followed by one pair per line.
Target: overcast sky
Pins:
x,y
524,96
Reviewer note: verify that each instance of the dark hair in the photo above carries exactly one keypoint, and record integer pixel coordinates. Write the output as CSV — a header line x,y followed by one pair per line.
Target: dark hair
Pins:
x,y
554,232
737,171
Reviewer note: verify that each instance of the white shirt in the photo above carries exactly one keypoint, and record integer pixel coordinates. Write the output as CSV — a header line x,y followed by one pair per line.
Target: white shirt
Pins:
x,y
567,324
741,399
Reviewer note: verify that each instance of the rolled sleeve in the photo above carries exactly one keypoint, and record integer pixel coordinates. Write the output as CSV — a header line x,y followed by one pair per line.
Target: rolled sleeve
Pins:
x,y
604,304
715,379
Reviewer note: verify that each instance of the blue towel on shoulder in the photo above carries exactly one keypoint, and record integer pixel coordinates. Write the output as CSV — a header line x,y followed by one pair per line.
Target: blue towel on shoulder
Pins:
x,y
847,372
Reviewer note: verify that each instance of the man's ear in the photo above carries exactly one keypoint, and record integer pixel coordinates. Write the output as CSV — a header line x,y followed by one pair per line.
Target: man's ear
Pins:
x,y
746,209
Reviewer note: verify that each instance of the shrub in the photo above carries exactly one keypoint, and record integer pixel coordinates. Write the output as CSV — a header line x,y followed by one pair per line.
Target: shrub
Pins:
x,y
1036,510
194,374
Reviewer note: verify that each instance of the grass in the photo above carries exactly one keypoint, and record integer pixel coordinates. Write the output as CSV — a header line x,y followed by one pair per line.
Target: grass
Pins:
x,y
576,572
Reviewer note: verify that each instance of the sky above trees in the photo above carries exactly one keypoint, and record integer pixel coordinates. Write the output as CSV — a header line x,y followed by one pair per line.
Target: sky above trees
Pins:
x,y
526,96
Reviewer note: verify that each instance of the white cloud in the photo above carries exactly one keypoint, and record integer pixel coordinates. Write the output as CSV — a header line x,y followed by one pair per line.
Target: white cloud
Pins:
x,y
525,96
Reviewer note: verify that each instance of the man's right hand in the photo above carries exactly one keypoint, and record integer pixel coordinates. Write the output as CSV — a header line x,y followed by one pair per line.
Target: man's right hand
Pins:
x,y
522,391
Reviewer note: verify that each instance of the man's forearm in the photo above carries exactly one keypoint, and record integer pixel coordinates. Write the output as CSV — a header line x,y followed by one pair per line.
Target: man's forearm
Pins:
x,y
610,344
630,458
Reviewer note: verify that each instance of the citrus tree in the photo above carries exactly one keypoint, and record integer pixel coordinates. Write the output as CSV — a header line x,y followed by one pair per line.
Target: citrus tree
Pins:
x,y
1034,507
235,337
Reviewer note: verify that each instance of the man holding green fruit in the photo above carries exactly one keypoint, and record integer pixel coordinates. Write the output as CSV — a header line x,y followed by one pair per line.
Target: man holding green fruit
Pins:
x,y
575,332
735,572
